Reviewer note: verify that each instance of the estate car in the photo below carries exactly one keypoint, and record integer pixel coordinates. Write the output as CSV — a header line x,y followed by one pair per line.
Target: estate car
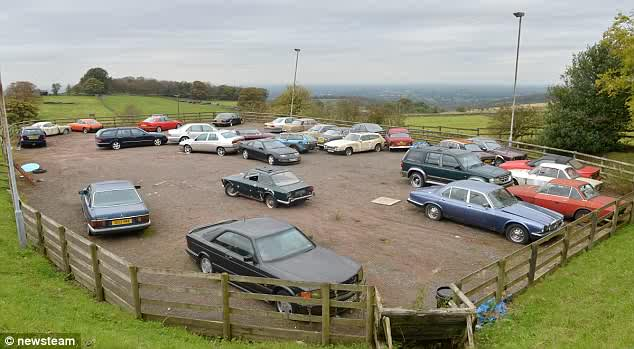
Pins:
x,y
486,157
355,143
117,138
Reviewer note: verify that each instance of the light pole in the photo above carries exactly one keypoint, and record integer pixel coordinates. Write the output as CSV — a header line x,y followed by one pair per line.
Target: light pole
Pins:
x,y
294,81
517,57
178,105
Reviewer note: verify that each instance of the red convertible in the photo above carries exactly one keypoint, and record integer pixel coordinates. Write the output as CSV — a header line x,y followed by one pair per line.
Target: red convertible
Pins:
x,y
398,138
570,197
159,123
583,170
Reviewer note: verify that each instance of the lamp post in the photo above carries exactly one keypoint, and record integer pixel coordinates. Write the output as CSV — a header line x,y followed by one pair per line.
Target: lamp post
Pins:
x,y
517,57
178,105
294,81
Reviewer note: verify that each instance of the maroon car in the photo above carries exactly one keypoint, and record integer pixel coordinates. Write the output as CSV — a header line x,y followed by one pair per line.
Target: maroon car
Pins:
x,y
398,138
252,133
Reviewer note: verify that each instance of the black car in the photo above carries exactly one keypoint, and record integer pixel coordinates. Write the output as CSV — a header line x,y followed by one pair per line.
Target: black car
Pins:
x,y
265,247
269,150
332,135
367,127
32,137
227,119
116,138
273,186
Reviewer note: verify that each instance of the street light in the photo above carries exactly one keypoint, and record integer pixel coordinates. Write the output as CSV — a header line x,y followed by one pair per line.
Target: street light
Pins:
x,y
517,57
178,105
294,81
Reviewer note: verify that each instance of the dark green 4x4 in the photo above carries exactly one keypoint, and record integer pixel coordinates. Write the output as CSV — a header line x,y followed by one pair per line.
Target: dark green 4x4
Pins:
x,y
436,165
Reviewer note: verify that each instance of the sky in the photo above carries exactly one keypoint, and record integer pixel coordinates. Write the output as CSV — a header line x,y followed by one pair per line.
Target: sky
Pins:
x,y
342,42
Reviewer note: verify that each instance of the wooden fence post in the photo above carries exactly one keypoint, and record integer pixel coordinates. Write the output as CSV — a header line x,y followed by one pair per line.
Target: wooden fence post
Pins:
x,y
615,218
95,270
501,280
369,313
40,232
564,249
593,230
631,212
532,264
61,232
226,316
136,298
325,314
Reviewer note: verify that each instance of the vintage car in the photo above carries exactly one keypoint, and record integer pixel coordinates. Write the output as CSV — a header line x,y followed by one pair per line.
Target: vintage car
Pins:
x,y
317,130
269,150
252,133
438,165
299,125
32,137
487,206
188,131
504,153
51,129
276,125
269,185
547,171
298,141
583,170
159,123
113,207
367,128
332,135
219,142
356,143
266,247
570,197
398,138
227,119
117,138
486,157
85,125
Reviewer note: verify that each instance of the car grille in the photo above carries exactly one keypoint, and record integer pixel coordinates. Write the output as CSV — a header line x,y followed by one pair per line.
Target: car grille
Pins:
x,y
554,226
502,179
336,293
329,148
299,193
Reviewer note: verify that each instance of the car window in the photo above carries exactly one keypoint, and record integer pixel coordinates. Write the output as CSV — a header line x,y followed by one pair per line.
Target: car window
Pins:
x,y
252,176
417,156
212,137
80,121
559,190
235,243
459,194
588,191
449,161
492,145
206,128
229,134
478,199
116,198
572,173
202,137
124,133
257,145
433,159
136,132
289,121
365,138
285,178
561,174
548,172
283,244
446,193
196,128
574,194
108,133
472,147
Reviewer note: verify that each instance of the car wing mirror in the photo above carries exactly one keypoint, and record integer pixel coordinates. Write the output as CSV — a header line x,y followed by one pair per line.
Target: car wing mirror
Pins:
x,y
260,148
137,187
486,205
249,258
83,192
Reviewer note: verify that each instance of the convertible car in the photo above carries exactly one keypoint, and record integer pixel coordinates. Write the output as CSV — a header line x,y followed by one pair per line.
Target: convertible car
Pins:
x,y
269,150
547,171
298,141
487,206
85,125
583,170
504,153
265,247
51,129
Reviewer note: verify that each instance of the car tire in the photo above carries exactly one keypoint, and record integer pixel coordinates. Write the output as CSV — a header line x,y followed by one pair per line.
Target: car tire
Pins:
x,y
285,307
158,142
245,154
231,123
65,131
159,129
349,151
205,265
116,145
270,201
580,213
230,190
377,148
433,212
416,180
85,130
271,160
184,138
221,151
187,149
517,234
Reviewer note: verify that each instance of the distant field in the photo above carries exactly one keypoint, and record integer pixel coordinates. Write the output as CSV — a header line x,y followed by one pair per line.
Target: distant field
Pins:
x,y
449,120
82,107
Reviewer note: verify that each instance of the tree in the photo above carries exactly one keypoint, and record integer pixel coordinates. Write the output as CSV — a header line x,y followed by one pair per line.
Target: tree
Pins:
x,y
69,90
526,119
253,99
99,74
579,117
93,86
199,90
24,91
405,105
301,102
55,88
20,110
347,109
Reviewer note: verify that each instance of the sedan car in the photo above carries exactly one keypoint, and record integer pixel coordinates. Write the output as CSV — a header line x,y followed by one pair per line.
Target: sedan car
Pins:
x,y
188,131
583,170
367,127
570,197
332,135
299,125
113,207
51,129
252,133
159,123
504,153
276,125
486,157
355,143
265,247
269,185
32,137
227,119
269,150
220,142
398,138
85,125
300,142
319,129
117,138
487,206
545,172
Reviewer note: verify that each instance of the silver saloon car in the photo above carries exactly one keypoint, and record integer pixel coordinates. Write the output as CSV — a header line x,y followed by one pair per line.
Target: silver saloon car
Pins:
x,y
188,131
219,142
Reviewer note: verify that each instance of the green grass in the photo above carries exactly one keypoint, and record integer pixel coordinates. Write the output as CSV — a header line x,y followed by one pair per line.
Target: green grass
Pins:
x,y
82,107
449,120
35,298
587,304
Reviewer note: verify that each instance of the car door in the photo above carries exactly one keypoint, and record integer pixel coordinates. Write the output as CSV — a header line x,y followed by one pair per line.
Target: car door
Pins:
x,y
432,167
478,211
141,137
555,197
454,205
198,143
125,138
212,142
451,168
194,131
236,255
249,188
258,150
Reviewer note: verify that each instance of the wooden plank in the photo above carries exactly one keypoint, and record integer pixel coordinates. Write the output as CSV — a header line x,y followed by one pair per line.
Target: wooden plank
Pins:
x,y
593,231
49,223
517,266
112,298
275,298
533,264
81,277
275,315
484,284
387,329
462,296
301,284
346,304
481,300
110,271
182,305
40,232
271,333
369,315
79,253
226,308
134,284
549,248
566,247
144,272
206,327
55,258
96,272
83,266
113,257
514,281
501,280
77,239
325,314
51,235
548,260
340,338
180,289
122,292
27,209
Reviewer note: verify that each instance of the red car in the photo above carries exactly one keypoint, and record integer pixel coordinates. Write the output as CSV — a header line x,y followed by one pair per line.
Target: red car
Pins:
x,y
85,125
583,170
570,197
398,138
159,123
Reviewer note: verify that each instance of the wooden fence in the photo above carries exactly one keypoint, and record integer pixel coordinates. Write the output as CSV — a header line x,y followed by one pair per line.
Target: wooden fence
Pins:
x,y
205,303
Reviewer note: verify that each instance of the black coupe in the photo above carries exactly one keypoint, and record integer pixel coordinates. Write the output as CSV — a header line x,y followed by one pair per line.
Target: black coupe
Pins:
x,y
269,150
265,247
116,138
227,119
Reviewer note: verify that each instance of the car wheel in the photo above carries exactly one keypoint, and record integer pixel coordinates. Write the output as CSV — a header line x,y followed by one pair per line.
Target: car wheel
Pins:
x,y
348,151
187,149
231,123
283,306
416,180
184,138
580,213
230,190
221,151
270,201
245,154
65,131
159,129
85,130
271,160
158,142
377,148
205,265
433,212
116,145
517,234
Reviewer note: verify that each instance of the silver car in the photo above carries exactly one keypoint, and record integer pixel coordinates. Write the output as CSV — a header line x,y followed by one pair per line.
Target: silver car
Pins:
x,y
219,142
188,131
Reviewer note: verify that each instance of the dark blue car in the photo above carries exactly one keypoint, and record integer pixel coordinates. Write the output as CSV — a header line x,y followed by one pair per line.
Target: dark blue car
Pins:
x,y
32,137
113,207
298,141
487,206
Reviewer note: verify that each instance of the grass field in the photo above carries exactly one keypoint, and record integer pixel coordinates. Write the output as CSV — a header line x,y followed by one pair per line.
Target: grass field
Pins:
x,y
449,120
586,304
82,107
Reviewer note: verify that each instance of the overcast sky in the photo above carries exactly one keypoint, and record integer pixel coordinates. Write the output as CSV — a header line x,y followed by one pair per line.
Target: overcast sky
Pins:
x,y
342,42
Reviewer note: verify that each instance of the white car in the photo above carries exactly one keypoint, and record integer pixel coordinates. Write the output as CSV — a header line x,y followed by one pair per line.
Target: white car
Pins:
x,y
355,143
546,171
188,131
51,129
278,124
219,142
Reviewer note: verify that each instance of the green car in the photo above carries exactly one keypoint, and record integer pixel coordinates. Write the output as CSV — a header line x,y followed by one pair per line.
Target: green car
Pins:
x,y
437,165
270,185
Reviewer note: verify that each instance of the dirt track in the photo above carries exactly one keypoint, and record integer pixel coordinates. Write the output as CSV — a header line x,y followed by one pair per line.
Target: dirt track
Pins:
x,y
404,253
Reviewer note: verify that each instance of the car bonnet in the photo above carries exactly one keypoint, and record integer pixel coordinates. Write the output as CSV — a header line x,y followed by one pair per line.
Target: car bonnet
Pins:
x,y
532,212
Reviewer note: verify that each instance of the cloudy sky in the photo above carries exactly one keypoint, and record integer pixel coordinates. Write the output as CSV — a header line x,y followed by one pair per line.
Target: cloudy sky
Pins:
x,y
343,42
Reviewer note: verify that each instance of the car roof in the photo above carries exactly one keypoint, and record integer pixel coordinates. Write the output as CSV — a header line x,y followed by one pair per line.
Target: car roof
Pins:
x,y
555,165
31,128
307,119
112,185
475,185
363,133
257,227
398,130
459,140
197,123
442,150
270,170
366,123
567,182
224,114
482,139
557,158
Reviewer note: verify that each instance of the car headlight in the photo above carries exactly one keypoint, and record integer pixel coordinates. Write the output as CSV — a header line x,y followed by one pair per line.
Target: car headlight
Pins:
x,y
491,180
283,156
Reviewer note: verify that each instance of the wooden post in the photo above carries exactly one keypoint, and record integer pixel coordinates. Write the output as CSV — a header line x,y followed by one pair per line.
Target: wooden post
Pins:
x,y
136,298
532,264
226,316
593,230
387,328
325,314
455,296
501,282
369,313
631,212
40,232
61,232
95,270
564,249
615,218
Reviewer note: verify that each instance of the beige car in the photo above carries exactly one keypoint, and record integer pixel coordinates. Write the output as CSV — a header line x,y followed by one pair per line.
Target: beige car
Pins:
x,y
356,143
299,125
319,129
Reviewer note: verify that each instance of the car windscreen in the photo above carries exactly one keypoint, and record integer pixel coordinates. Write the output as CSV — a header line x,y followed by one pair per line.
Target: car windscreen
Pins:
x,y
116,198
332,133
501,198
151,119
283,245
278,120
399,135
469,160
249,132
30,132
224,116
472,147
285,178
316,128
293,137
90,122
352,137
373,128
575,164
229,134
492,145
274,145
588,191
296,122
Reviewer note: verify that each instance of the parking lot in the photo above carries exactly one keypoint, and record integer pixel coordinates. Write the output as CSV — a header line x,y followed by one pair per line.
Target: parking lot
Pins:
x,y
404,254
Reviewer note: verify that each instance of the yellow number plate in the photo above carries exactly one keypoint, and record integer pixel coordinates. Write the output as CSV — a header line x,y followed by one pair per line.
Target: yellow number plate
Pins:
x,y
122,221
